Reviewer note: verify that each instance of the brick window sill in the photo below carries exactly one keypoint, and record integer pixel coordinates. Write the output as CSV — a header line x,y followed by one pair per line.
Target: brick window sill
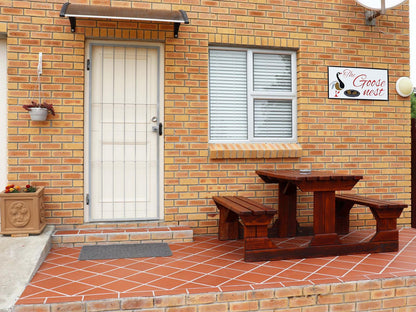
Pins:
x,y
254,150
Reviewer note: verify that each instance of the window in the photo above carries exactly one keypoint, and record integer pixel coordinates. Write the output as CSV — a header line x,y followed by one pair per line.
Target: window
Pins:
x,y
252,95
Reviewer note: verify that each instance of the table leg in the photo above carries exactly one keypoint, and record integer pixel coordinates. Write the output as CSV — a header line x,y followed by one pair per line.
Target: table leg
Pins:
x,y
342,219
287,210
324,219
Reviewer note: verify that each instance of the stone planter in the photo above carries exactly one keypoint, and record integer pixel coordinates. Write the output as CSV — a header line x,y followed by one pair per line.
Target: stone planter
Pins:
x,y
22,213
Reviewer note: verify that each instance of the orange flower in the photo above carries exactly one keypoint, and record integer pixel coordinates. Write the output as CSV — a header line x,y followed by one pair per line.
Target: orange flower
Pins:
x,y
11,188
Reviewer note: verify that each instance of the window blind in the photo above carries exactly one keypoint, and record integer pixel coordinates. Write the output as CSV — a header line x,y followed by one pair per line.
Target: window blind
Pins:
x,y
272,72
273,118
228,95
252,95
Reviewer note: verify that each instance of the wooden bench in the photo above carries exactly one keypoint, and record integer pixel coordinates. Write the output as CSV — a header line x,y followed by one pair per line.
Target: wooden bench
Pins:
x,y
254,218
385,212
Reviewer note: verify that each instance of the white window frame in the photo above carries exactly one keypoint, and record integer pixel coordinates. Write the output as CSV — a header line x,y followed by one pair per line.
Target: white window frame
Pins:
x,y
264,95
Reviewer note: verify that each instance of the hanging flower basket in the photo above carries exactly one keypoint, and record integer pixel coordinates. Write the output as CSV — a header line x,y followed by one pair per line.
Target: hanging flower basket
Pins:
x,y
22,212
39,112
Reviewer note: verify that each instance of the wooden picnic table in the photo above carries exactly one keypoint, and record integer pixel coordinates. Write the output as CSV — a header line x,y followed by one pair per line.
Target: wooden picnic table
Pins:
x,y
323,184
330,218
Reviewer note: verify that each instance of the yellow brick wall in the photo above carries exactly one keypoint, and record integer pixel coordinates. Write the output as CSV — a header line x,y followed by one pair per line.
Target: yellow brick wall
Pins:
x,y
371,138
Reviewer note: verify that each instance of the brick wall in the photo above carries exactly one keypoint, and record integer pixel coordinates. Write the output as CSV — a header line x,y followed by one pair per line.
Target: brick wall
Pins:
x,y
371,138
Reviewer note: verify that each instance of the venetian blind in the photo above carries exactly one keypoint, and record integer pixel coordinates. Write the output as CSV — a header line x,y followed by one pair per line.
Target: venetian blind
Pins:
x,y
228,95
272,74
272,118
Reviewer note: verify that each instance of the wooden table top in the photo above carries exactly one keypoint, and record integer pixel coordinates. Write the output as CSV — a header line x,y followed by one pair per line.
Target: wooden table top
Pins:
x,y
299,175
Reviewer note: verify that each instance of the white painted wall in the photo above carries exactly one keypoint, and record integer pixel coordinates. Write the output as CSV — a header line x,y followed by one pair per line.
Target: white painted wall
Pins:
x,y
412,21
3,114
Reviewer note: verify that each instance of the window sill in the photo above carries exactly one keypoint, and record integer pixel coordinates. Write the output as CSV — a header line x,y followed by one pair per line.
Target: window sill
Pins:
x,y
254,150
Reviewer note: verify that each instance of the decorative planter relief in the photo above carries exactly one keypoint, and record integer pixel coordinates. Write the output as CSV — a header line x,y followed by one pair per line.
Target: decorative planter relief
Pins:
x,y
22,213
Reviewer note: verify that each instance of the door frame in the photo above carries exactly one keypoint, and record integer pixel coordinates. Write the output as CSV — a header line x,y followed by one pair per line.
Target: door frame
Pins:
x,y
87,120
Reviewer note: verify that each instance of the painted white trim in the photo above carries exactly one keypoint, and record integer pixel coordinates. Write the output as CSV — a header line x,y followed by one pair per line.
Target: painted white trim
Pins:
x,y
253,95
3,114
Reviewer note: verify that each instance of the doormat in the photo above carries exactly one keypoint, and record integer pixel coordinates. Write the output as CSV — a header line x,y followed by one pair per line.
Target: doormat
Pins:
x,y
98,252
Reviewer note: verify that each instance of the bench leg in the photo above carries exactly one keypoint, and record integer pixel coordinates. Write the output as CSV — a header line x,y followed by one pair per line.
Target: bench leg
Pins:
x,y
228,224
342,216
255,232
386,229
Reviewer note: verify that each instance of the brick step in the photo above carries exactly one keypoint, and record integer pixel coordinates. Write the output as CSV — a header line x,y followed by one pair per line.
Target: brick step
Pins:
x,y
82,237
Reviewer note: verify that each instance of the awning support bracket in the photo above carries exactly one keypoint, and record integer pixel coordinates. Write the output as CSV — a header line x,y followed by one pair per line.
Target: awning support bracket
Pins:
x,y
73,22
176,29
176,25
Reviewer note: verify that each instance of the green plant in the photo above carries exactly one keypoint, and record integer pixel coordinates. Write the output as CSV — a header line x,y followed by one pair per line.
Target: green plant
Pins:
x,y
413,105
29,188
49,107
11,188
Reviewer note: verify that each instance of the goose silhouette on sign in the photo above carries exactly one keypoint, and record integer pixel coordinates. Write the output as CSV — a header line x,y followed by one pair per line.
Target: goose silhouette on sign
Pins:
x,y
339,85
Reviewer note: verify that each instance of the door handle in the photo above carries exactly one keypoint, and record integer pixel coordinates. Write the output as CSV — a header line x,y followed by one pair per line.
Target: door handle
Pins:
x,y
158,128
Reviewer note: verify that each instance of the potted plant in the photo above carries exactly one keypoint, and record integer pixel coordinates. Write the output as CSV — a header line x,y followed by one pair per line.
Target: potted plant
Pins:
x,y
22,210
39,111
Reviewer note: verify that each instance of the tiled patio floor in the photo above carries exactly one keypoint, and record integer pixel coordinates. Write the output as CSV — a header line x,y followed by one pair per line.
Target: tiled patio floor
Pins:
x,y
206,265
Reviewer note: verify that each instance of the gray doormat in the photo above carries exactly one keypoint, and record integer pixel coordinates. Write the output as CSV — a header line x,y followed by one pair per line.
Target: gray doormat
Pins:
x,y
119,251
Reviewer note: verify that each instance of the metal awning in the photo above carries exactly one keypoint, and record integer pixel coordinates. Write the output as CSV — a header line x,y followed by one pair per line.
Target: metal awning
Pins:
x,y
74,11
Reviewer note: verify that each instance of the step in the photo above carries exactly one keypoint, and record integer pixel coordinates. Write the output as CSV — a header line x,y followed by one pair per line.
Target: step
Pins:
x,y
101,236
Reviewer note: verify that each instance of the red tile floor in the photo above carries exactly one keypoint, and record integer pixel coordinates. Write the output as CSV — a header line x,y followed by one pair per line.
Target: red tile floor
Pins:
x,y
202,266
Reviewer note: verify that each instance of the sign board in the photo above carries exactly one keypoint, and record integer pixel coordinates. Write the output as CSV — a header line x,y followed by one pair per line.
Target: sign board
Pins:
x,y
358,83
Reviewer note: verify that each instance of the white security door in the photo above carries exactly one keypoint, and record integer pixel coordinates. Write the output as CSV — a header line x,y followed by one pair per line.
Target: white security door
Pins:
x,y
124,116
